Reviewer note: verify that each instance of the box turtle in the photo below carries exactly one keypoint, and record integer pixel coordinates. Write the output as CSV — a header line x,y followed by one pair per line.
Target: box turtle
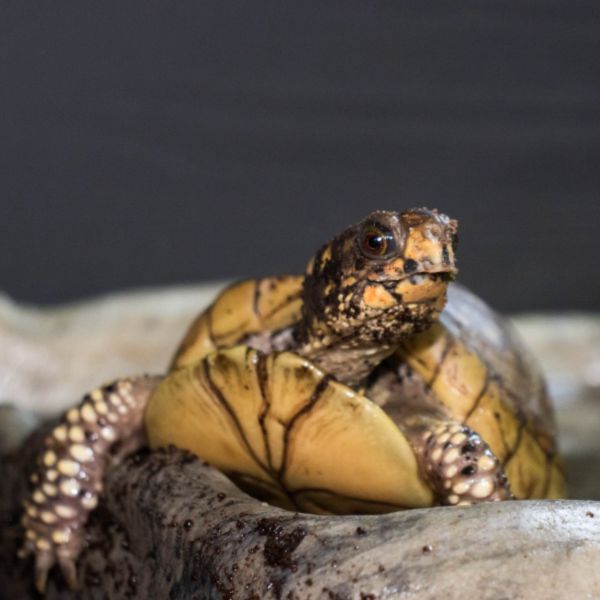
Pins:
x,y
367,385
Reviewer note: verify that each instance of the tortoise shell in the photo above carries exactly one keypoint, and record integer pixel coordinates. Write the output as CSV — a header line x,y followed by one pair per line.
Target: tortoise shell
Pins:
x,y
286,431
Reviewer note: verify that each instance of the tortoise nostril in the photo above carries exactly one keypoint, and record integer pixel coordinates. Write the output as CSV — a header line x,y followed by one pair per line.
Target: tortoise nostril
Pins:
x,y
410,265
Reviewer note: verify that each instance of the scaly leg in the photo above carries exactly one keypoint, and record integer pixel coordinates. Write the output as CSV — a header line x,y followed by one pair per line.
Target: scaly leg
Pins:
x,y
459,465
70,472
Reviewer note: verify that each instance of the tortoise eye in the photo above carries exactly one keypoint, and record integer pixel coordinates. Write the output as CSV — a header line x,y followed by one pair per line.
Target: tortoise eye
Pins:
x,y
376,242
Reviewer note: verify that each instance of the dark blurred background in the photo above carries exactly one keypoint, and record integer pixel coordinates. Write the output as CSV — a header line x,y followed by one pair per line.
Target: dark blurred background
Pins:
x,y
154,143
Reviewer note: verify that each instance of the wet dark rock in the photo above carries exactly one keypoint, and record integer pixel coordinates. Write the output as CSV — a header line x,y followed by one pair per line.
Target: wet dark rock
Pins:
x,y
279,545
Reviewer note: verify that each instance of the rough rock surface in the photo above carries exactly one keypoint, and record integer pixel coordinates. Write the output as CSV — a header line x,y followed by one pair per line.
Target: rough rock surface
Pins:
x,y
170,526
51,356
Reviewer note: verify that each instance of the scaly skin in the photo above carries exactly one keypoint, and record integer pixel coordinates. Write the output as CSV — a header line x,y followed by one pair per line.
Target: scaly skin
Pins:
x,y
71,468
458,464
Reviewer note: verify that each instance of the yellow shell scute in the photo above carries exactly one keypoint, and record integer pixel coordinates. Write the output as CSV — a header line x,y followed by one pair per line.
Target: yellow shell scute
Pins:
x,y
471,394
185,411
279,420
288,387
494,420
242,309
347,446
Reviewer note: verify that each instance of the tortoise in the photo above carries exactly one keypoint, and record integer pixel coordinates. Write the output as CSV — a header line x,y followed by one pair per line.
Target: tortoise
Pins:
x,y
370,384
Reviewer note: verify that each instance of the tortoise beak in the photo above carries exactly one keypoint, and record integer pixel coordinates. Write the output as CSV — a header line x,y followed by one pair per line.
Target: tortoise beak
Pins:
x,y
425,285
443,261
444,266
448,271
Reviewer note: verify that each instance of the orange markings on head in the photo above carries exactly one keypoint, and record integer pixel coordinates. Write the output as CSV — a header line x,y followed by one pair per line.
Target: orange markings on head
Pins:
x,y
426,290
422,249
376,296
326,254
394,269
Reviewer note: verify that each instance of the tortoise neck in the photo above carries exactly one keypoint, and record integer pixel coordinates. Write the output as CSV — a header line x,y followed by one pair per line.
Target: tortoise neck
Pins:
x,y
348,361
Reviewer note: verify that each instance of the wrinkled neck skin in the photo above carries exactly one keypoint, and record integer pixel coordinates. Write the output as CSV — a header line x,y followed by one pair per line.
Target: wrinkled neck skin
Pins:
x,y
345,361
352,354
351,358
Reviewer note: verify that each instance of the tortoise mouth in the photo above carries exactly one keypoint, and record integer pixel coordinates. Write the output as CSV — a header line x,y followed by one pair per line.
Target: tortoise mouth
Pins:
x,y
445,276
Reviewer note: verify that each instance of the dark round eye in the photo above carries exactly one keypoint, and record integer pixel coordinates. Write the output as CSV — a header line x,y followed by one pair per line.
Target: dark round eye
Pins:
x,y
376,242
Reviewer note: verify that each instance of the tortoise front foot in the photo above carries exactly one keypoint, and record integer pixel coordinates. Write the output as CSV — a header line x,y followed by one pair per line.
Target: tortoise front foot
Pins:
x,y
41,543
461,467
70,472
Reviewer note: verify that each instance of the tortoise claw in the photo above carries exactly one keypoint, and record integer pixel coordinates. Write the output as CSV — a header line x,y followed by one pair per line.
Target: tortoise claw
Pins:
x,y
46,555
44,561
69,571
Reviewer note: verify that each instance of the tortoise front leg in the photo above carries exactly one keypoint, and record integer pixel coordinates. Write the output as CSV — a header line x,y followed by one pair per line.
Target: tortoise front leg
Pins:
x,y
457,463
71,468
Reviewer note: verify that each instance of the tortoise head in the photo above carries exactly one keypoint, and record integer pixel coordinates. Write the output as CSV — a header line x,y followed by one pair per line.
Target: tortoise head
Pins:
x,y
380,279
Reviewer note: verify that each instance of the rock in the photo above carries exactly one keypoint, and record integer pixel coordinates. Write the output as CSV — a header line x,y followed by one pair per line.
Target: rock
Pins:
x,y
51,357
170,526
15,425
173,527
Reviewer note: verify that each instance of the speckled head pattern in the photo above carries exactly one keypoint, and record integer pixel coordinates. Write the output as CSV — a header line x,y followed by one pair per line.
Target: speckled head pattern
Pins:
x,y
379,280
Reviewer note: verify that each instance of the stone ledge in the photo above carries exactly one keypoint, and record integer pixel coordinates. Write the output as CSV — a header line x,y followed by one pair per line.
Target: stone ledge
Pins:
x,y
173,527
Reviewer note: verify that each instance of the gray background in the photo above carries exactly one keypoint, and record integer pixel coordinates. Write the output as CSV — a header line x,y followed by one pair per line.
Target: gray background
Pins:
x,y
164,142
